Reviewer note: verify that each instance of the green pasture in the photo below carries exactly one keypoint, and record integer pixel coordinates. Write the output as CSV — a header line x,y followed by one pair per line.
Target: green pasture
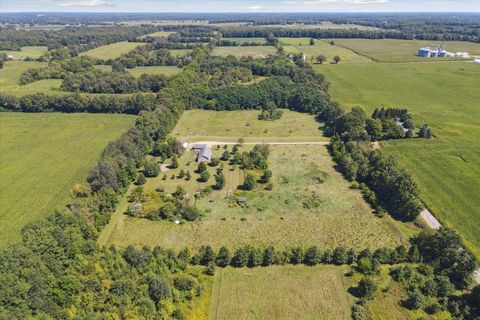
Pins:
x,y
180,52
12,71
112,51
388,50
27,52
43,156
252,51
302,45
165,70
280,292
301,174
445,95
202,125
157,34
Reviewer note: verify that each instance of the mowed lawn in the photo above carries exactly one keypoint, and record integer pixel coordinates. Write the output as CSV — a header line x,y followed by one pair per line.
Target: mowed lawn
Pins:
x,y
12,71
280,217
165,70
112,51
42,156
27,52
246,40
201,125
445,95
388,50
280,292
249,51
302,45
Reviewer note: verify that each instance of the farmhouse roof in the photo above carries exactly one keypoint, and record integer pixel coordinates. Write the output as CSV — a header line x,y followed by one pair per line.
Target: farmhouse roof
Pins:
x,y
242,199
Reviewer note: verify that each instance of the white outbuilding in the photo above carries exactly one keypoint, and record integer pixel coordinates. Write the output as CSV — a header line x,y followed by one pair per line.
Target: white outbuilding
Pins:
x,y
476,61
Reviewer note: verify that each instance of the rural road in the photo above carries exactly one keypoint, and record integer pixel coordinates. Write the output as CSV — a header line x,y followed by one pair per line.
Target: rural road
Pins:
x,y
433,223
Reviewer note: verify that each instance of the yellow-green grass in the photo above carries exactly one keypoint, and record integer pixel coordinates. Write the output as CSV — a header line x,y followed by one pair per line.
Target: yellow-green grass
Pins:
x,y
280,292
112,51
103,67
43,156
388,50
322,25
250,51
12,71
180,52
27,52
296,45
445,95
202,125
277,217
157,34
165,70
245,40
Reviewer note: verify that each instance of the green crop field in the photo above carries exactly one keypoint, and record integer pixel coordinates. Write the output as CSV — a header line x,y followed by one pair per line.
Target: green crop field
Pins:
x,y
112,51
27,52
253,51
280,292
43,156
280,217
166,70
296,45
388,50
322,25
445,95
12,71
200,125
245,40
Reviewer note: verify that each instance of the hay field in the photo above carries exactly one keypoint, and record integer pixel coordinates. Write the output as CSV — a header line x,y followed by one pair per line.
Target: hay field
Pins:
x,y
12,71
253,51
27,52
43,156
112,51
165,70
245,40
445,95
296,45
388,50
280,292
202,125
278,217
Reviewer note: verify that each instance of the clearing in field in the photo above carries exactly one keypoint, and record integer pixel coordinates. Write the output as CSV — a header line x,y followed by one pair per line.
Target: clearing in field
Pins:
x,y
388,50
157,34
250,51
322,25
165,70
245,40
297,45
310,204
43,156
180,52
27,52
280,292
112,51
12,71
229,126
445,95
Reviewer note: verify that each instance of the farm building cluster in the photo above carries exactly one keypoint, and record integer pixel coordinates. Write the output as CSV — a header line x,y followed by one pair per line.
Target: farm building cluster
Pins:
x,y
440,51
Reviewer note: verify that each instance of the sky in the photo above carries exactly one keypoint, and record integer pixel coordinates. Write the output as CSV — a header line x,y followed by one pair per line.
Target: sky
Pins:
x,y
239,6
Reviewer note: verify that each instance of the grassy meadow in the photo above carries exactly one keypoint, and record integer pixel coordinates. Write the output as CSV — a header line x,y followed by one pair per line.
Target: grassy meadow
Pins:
x,y
445,95
254,51
281,217
180,52
27,52
165,70
112,51
12,71
157,34
302,45
43,156
388,50
280,292
201,125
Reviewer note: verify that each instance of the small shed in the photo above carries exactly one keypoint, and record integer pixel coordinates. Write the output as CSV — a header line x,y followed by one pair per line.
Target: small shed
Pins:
x,y
241,200
204,152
